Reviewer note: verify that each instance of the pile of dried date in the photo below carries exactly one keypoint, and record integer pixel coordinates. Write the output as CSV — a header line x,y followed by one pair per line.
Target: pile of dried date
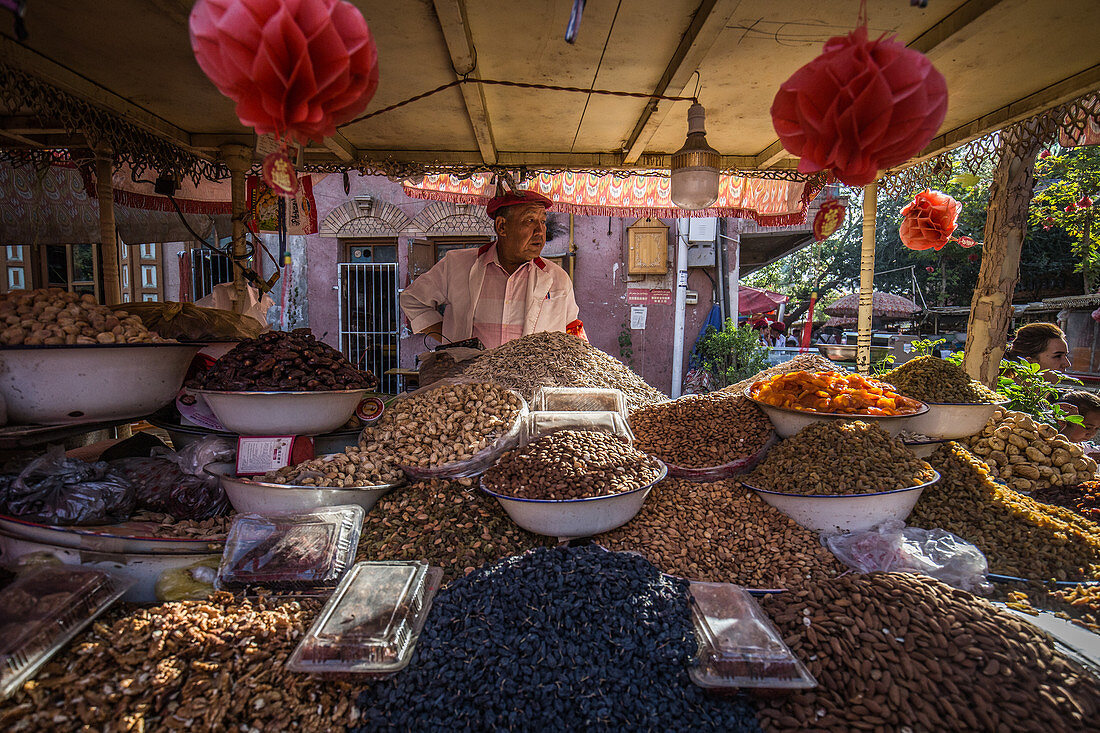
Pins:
x,y
281,361
571,464
54,317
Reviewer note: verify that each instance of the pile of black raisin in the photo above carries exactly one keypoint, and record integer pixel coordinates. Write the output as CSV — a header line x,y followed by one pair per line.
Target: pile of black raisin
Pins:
x,y
558,638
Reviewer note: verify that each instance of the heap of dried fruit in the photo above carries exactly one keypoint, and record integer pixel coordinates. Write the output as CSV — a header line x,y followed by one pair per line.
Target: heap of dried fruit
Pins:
x,y
1019,536
571,464
701,430
840,457
893,652
835,393
54,317
1029,455
801,363
282,361
557,359
721,532
931,379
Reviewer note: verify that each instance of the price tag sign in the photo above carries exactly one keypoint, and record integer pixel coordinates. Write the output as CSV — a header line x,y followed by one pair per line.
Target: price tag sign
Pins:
x,y
637,317
257,455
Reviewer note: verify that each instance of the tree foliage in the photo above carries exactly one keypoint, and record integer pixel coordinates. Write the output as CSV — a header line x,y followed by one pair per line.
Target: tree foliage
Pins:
x,y
1067,185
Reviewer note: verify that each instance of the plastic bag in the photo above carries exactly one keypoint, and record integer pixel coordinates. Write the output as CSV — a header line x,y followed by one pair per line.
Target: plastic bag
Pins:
x,y
190,322
194,582
153,480
893,547
55,489
200,495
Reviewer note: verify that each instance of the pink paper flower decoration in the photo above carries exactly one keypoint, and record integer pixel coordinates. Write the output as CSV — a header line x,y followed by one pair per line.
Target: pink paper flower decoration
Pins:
x,y
295,68
929,220
860,107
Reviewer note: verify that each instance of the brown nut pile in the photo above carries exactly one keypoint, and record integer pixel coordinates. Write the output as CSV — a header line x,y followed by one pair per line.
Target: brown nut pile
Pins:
x,y
1084,498
1029,455
839,457
356,466
894,652
698,431
281,361
214,528
1018,535
215,665
721,532
571,464
52,316
931,379
557,359
440,522
445,424
1079,604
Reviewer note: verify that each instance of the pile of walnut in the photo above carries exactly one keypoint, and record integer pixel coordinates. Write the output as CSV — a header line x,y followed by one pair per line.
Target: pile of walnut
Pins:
x,y
55,317
1029,455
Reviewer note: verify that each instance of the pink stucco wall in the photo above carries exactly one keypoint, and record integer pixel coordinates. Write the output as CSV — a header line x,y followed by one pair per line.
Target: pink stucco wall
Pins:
x,y
599,281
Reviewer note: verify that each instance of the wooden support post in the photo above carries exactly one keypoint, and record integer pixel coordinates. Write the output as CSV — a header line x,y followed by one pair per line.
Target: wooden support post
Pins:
x,y
866,279
108,234
238,158
1005,227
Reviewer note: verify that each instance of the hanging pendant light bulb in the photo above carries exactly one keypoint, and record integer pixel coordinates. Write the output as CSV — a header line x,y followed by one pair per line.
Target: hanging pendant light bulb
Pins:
x,y
695,166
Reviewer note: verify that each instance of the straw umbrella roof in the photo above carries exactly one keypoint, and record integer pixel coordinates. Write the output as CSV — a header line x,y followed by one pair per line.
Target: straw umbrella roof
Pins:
x,y
887,305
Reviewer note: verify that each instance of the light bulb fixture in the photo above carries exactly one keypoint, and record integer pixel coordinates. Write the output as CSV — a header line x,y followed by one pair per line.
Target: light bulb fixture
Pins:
x,y
695,166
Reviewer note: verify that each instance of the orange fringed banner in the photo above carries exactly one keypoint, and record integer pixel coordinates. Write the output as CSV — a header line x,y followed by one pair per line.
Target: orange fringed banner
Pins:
x,y
768,202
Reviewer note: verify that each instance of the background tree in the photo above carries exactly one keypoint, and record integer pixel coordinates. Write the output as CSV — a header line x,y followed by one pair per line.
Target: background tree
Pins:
x,y
1063,208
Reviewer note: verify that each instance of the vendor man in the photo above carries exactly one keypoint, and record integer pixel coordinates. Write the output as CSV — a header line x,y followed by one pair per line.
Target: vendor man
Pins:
x,y
500,291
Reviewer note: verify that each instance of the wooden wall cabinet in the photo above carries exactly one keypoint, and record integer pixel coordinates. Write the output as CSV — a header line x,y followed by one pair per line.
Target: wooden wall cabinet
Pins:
x,y
647,247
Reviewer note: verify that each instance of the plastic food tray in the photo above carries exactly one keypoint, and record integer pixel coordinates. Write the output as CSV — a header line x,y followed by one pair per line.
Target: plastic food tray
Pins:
x,y
304,553
371,623
739,648
584,399
543,423
42,611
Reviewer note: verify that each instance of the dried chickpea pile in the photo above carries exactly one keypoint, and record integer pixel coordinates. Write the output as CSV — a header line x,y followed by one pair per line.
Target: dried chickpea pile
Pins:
x,y
1018,535
931,379
697,431
894,652
571,464
557,359
1084,498
721,532
215,665
356,466
445,424
1029,455
53,317
839,457
440,522
801,363
833,393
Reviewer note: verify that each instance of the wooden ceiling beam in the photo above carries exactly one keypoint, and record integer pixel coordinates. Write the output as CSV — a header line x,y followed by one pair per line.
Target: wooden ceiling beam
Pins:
x,y
460,45
706,25
341,147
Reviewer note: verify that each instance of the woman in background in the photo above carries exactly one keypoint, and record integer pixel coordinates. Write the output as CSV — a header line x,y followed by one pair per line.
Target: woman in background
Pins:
x,y
1043,344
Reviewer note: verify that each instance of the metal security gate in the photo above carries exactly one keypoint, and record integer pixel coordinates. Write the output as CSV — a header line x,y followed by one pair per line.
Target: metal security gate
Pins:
x,y
369,329
207,270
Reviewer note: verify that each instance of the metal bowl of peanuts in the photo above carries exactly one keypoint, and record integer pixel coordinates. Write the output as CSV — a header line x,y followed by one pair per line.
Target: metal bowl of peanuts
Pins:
x,y
846,512
251,495
951,421
50,385
789,422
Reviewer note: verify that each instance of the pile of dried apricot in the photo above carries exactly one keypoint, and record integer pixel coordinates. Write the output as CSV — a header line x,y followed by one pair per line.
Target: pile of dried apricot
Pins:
x,y
832,392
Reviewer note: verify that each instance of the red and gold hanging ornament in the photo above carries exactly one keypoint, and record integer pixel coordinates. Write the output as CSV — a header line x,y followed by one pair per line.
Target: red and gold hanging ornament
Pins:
x,y
828,219
929,221
295,68
860,107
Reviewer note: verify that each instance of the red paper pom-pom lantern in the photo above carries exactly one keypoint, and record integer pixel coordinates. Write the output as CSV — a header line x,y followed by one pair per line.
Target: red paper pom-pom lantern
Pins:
x,y
295,68
860,107
929,220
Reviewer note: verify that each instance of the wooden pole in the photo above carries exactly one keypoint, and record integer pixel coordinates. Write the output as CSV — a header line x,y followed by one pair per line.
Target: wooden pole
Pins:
x,y
108,236
1005,228
866,279
238,158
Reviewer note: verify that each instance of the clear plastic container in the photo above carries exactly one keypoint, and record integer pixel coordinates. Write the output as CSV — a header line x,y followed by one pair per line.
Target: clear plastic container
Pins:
x,y
42,610
371,623
544,423
739,648
304,553
583,399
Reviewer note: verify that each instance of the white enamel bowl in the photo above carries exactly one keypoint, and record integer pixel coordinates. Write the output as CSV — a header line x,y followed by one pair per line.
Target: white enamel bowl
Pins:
x,y
283,413
249,496
788,422
952,421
